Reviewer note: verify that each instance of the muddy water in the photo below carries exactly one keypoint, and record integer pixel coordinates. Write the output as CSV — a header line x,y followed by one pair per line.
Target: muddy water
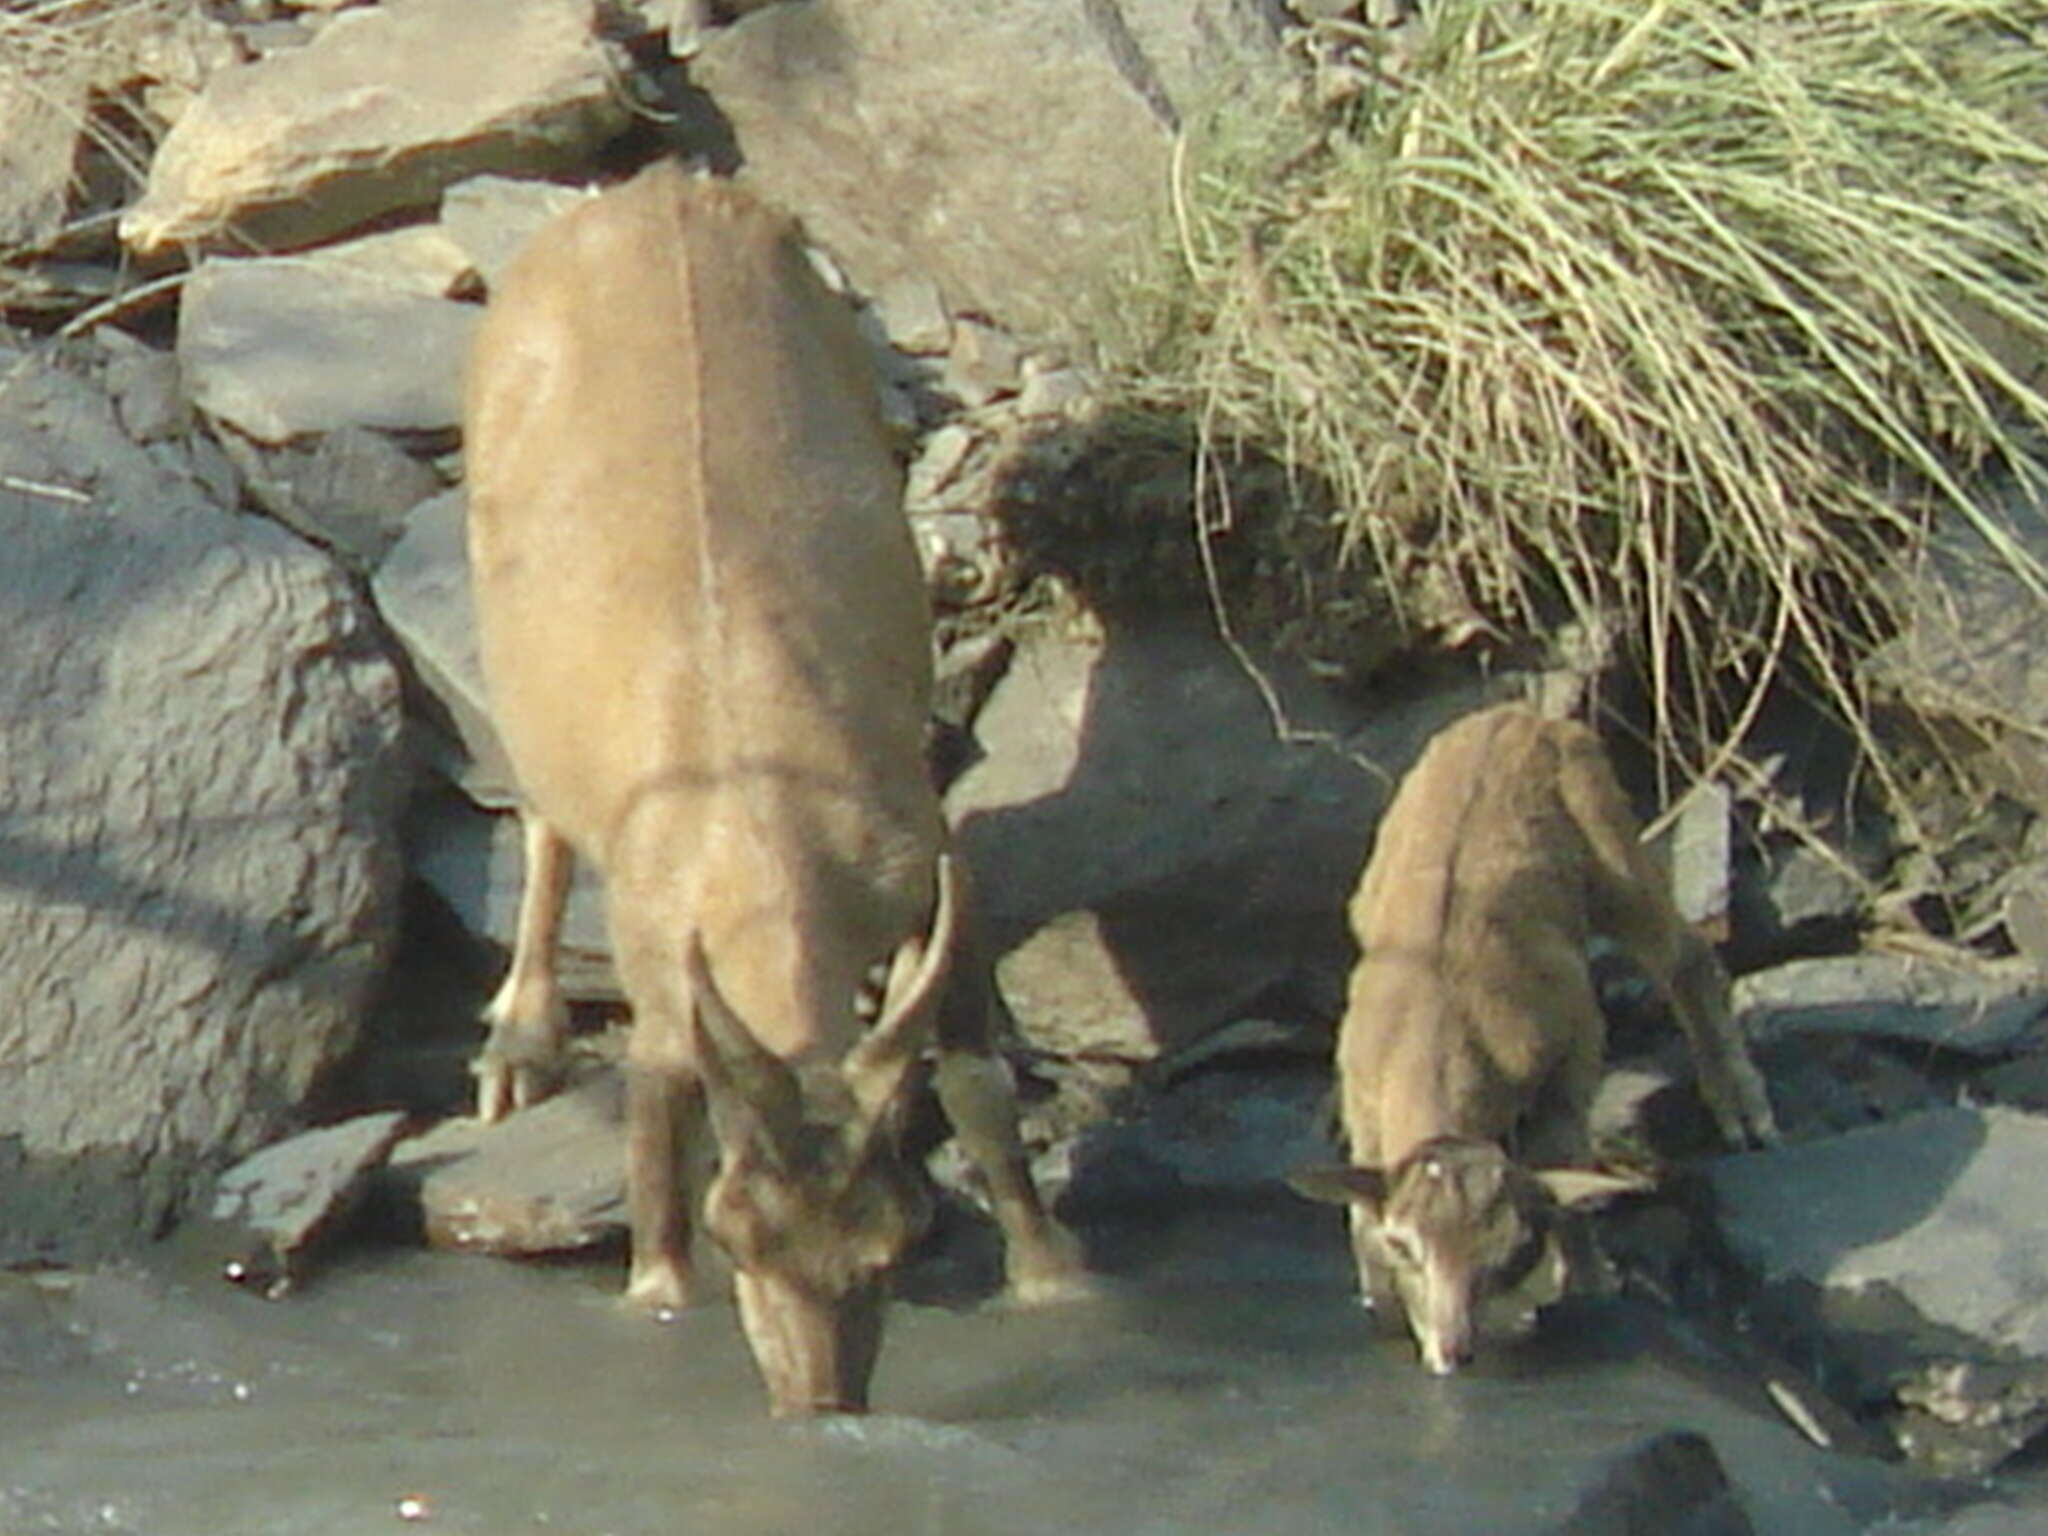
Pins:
x,y
1221,1382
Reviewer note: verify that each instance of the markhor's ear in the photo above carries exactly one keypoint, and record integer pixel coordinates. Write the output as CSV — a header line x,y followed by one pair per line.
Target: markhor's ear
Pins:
x,y
1588,1186
1341,1185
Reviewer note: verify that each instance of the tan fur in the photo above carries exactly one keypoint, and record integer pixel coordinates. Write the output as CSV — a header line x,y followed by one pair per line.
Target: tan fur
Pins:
x,y
705,638
1472,1018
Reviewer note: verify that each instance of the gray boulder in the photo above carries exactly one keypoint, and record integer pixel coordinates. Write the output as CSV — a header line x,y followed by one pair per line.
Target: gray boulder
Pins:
x,y
1947,1209
384,108
1151,852
887,129
198,840
1918,1248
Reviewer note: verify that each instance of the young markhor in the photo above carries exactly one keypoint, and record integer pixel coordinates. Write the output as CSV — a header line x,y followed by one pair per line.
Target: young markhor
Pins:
x,y
1472,1039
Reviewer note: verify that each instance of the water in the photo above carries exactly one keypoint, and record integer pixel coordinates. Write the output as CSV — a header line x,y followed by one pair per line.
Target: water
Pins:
x,y
1222,1382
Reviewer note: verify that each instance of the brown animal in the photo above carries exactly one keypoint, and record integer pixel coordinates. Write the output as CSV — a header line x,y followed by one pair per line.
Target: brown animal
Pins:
x,y
1472,1025
707,649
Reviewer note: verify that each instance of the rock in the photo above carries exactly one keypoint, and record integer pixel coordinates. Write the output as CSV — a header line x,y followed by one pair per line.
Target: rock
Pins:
x,y
985,362
1053,391
1988,1519
1969,649
1967,1416
422,589
1910,1257
272,1208
1795,901
913,316
874,124
147,386
2021,1083
1151,856
473,861
198,824
1947,1210
350,490
386,107
59,65
1224,1130
359,335
1823,1084
490,217
1672,1484
1985,1008
1699,852
39,117
550,1179
2024,911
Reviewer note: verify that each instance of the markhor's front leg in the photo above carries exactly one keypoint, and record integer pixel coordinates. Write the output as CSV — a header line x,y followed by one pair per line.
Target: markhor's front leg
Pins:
x,y
528,1020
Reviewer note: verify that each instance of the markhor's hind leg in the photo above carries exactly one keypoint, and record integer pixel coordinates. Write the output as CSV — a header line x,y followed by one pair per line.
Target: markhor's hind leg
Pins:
x,y
1042,1260
1729,1081
1632,905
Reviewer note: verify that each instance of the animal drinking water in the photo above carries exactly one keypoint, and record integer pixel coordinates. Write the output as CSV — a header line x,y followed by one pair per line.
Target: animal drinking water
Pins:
x,y
707,649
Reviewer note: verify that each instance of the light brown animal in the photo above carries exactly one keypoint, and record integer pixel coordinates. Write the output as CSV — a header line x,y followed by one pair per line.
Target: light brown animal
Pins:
x,y
707,649
1472,1030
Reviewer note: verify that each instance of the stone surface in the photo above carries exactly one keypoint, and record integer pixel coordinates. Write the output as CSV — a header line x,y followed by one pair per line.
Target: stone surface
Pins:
x,y
422,589
1698,854
148,388
1947,1209
550,1179
472,860
387,106
58,64
349,490
885,129
1985,1008
198,808
359,335
273,1206
1672,1484
490,217
39,115
1221,1131
1970,647
1794,901
1151,855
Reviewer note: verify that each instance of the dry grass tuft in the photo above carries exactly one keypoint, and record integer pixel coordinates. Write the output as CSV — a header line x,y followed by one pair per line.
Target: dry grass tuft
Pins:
x,y
1683,318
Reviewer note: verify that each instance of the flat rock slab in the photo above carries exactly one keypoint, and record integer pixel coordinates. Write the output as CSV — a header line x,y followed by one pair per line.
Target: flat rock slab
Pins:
x,y
282,1198
550,1179
388,106
1948,1209
1991,1008
360,335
